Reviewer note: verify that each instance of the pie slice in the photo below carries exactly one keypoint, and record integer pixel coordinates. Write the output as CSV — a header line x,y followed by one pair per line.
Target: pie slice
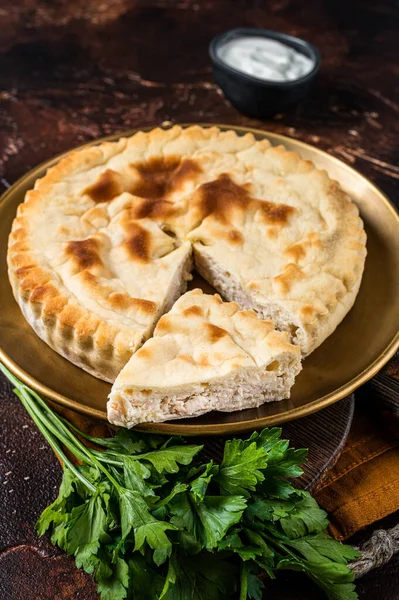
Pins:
x,y
205,355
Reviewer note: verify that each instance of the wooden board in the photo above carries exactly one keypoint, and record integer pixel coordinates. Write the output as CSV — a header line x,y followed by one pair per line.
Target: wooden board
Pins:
x,y
325,434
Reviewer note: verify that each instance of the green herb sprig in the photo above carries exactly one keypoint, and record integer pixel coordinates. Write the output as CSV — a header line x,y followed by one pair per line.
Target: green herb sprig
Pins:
x,y
150,521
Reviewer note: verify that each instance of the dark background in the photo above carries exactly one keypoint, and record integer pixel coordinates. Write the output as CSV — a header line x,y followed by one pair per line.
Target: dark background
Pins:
x,y
74,70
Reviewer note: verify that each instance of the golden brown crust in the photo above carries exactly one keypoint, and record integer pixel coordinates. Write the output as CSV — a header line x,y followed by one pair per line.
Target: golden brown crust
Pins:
x,y
214,333
106,188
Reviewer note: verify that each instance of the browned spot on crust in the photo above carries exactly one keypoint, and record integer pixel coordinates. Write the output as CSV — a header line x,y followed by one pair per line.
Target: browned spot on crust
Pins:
x,y
88,277
138,244
186,170
84,253
272,232
107,187
31,278
144,353
19,234
152,209
54,305
162,175
121,301
186,358
275,213
290,274
163,325
222,198
21,272
307,311
235,237
215,333
295,252
22,259
70,316
193,311
43,292
146,306
300,249
203,361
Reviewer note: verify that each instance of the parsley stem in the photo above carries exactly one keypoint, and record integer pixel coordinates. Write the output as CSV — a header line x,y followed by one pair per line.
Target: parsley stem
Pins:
x,y
52,441
95,440
63,429
106,458
287,552
56,427
82,450
37,405
73,443
48,423
244,581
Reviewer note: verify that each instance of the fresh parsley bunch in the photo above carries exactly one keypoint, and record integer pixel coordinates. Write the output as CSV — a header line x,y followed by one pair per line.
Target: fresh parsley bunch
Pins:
x,y
150,521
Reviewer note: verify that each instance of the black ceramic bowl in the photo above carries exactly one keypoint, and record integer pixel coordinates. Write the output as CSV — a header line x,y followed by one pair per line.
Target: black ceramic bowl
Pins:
x,y
257,97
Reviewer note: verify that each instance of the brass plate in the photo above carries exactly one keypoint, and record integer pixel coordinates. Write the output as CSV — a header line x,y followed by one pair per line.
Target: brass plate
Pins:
x,y
356,351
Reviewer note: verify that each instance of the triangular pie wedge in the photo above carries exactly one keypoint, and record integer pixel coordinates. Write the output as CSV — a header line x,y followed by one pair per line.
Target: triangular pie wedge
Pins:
x,y
205,355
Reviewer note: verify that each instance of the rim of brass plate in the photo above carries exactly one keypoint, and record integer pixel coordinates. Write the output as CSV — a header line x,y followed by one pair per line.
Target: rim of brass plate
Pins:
x,y
223,428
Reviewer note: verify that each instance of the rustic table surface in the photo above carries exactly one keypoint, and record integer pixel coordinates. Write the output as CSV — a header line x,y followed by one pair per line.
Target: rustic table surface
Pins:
x,y
74,70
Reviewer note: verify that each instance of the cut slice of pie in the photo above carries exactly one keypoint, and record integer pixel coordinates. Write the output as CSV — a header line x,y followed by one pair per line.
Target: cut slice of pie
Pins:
x,y
205,355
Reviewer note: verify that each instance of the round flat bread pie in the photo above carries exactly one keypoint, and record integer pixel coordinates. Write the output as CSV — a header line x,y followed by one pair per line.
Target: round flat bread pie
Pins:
x,y
105,243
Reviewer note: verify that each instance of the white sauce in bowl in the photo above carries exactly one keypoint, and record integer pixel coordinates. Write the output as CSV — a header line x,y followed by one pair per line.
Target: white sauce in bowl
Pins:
x,y
265,58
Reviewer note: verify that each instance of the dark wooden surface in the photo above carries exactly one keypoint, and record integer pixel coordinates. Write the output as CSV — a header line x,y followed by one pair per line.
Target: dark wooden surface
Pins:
x,y
72,70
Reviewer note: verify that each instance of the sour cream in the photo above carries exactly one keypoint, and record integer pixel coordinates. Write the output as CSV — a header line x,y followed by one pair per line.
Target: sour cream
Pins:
x,y
265,58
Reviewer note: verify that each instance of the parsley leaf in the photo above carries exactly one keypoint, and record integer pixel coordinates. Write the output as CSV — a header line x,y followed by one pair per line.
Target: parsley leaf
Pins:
x,y
269,509
322,545
199,485
217,514
255,585
56,513
112,580
136,517
136,474
233,543
305,517
241,467
203,577
88,524
145,583
183,514
334,579
208,520
168,459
